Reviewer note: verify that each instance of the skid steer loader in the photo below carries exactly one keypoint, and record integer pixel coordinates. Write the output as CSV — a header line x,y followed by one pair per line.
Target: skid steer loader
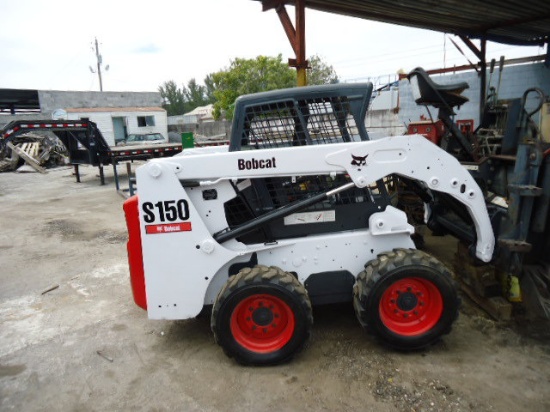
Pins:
x,y
296,211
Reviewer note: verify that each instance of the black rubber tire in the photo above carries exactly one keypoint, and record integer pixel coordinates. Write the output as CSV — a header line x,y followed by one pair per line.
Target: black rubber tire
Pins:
x,y
275,285
414,320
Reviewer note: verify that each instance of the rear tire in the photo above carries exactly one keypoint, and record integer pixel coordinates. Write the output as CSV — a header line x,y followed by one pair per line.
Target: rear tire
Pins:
x,y
262,316
406,298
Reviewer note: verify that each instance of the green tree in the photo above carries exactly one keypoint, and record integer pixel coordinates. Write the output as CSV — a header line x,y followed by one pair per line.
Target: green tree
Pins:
x,y
245,76
173,97
320,72
195,95
209,88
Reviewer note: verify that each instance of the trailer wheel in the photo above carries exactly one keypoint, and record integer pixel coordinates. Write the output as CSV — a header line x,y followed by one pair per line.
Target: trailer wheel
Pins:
x,y
262,316
406,298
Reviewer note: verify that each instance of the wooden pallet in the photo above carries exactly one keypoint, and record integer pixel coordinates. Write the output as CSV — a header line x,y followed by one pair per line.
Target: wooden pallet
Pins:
x,y
31,148
28,159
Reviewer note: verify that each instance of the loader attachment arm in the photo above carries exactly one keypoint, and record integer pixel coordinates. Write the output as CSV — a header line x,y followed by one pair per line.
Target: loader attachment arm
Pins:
x,y
417,158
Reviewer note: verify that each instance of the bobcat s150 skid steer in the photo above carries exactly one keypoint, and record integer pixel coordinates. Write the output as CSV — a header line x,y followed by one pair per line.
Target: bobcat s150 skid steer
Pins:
x,y
295,212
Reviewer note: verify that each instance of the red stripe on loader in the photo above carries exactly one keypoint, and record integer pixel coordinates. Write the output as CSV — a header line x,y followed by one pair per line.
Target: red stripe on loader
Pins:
x,y
135,254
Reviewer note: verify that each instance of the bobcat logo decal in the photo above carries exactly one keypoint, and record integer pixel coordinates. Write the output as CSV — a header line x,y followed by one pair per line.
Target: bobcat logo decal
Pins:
x,y
359,160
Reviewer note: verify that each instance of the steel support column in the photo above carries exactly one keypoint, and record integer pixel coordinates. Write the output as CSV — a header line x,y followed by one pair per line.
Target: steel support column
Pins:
x,y
296,35
483,78
301,62
481,54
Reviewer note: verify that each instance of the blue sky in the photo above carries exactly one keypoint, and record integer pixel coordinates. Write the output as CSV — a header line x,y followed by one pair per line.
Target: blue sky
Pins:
x,y
48,45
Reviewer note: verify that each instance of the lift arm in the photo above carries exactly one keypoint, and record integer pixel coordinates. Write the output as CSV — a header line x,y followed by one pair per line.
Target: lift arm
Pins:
x,y
365,162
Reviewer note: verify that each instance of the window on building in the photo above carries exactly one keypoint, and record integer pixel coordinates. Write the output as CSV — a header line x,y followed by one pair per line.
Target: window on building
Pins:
x,y
145,121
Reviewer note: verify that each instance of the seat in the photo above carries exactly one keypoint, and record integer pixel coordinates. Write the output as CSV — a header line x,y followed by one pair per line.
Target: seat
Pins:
x,y
437,95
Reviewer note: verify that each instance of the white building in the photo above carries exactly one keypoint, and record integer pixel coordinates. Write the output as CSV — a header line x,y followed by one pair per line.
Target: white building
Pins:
x,y
200,114
115,123
117,114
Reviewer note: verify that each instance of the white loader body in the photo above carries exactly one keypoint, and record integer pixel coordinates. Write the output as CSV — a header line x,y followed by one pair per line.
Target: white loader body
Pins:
x,y
181,210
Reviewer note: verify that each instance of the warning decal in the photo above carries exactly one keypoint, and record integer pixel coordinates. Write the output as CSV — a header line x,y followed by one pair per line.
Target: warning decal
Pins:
x,y
310,217
169,228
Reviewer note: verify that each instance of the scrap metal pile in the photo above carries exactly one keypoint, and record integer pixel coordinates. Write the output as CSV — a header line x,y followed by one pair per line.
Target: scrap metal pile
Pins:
x,y
31,152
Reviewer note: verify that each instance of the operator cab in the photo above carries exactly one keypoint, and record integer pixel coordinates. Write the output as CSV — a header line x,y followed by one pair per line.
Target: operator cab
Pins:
x,y
300,116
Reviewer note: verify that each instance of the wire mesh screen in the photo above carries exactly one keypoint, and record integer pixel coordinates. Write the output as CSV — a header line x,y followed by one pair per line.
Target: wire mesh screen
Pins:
x,y
297,123
330,121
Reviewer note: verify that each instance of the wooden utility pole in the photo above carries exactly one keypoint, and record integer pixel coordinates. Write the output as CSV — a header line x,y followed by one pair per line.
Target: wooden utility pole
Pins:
x,y
99,61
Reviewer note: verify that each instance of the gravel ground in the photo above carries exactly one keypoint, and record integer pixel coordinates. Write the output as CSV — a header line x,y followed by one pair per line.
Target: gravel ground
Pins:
x,y
85,346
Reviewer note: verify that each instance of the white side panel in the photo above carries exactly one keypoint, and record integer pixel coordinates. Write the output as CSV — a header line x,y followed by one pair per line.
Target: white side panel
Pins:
x,y
178,265
341,251
348,250
212,212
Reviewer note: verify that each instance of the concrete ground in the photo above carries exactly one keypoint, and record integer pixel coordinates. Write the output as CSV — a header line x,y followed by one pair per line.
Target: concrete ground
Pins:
x,y
85,346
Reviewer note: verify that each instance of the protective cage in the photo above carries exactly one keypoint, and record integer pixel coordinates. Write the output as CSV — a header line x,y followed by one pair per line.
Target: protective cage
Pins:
x,y
301,116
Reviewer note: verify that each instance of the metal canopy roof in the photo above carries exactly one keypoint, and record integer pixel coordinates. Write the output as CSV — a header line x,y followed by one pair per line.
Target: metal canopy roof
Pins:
x,y
16,100
525,22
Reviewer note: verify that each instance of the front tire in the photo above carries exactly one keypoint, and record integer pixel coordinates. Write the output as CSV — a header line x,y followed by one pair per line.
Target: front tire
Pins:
x,y
262,316
406,298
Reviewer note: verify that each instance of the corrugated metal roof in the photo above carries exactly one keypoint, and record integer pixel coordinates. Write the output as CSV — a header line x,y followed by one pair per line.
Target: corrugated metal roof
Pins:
x,y
524,22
